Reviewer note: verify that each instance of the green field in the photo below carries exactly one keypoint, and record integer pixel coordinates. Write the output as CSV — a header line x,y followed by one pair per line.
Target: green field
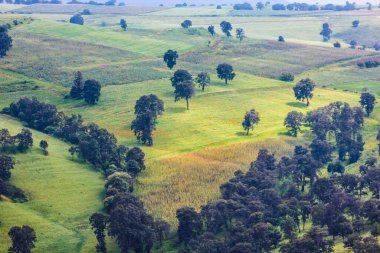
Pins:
x,y
193,150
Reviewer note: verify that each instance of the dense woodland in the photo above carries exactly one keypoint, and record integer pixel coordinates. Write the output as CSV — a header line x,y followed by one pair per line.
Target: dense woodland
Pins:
x,y
301,202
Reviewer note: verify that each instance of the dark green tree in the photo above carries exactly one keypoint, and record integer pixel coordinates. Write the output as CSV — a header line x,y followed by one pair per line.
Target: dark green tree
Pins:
x,y
225,72
211,30
189,224
6,165
184,90
77,87
170,58
304,90
123,24
23,239
179,76
251,118
77,19
240,34
44,145
368,101
91,91
98,223
293,122
326,32
355,23
226,28
186,24
5,41
203,80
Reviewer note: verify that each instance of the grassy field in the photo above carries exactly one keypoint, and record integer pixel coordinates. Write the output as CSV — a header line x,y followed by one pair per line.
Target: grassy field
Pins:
x,y
193,150
63,193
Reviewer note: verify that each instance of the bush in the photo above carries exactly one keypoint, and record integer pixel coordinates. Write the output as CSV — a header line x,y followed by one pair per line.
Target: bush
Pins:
x,y
337,44
369,64
244,6
281,39
287,77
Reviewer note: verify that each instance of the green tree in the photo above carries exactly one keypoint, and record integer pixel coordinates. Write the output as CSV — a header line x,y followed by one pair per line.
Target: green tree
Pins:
x,y
203,80
240,34
91,91
123,24
226,28
304,90
77,19
170,58
44,145
251,118
77,87
5,41
184,90
293,122
23,239
225,72
368,101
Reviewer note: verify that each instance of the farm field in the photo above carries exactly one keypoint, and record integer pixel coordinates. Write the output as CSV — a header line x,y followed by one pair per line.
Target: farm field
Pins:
x,y
194,151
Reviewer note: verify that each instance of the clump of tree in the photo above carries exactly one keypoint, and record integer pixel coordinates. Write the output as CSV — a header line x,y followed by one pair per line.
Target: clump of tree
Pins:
x,y
170,58
243,6
287,77
304,90
368,102
368,64
278,7
355,23
44,145
5,41
23,239
251,118
211,30
203,80
91,91
123,24
293,122
187,24
77,19
326,32
20,142
240,34
226,28
147,109
225,72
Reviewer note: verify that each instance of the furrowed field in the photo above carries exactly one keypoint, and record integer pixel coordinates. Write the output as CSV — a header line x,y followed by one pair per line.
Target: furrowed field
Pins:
x,y
194,151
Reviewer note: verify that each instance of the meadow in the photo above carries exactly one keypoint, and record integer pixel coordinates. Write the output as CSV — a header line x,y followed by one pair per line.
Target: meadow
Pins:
x,y
193,150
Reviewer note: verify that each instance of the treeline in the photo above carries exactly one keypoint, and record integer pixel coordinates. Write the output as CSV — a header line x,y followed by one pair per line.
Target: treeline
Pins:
x,y
29,2
92,143
268,206
9,144
313,7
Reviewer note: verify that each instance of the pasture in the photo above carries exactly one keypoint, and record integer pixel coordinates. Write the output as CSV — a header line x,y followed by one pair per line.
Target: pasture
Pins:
x,y
193,150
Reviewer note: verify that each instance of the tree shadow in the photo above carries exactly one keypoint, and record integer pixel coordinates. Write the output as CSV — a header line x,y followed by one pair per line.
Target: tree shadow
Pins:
x,y
296,104
242,134
177,109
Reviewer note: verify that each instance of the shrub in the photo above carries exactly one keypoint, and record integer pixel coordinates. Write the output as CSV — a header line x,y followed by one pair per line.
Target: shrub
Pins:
x,y
281,39
337,44
287,77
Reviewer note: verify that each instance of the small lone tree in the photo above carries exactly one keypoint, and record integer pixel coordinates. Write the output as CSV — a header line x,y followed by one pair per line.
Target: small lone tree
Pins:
x,y
170,58
326,32
251,118
203,80
353,44
240,34
225,72
184,90
6,165
293,122
368,101
23,239
91,91
123,24
72,150
355,23
281,38
44,145
304,90
211,30
77,19
226,28
5,41
180,76
186,24
337,44
77,87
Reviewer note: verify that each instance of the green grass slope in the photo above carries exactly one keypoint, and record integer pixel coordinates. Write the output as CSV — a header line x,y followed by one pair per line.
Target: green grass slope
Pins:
x,y
63,194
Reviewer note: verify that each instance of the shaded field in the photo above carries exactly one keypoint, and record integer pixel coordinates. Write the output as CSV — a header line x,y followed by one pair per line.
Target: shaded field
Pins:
x,y
74,8
281,57
363,35
63,194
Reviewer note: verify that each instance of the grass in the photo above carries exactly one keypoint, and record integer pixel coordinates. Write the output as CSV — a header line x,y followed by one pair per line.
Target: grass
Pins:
x,y
63,193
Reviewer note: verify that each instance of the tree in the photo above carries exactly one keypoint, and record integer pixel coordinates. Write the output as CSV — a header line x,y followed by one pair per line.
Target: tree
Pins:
x,y
77,19
123,24
260,6
162,229
251,118
225,71
77,87
337,44
326,32
98,223
24,140
211,30
355,23
293,121
44,145
72,151
170,58
368,101
143,127
91,91
226,28
23,239
6,165
353,44
281,38
137,155
186,24
203,80
5,41
240,34
179,76
335,168
304,90
189,224
184,90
